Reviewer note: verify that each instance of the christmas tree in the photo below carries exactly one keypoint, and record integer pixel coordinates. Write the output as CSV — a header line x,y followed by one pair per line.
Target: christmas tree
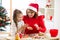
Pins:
x,y
4,20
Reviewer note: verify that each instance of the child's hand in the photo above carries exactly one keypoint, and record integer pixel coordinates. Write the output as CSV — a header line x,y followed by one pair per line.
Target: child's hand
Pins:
x,y
25,25
28,27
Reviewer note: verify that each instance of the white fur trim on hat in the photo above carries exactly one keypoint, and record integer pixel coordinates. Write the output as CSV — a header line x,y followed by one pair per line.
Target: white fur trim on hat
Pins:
x,y
34,9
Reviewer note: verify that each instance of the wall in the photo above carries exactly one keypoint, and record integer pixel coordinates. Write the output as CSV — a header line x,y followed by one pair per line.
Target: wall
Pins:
x,y
6,5
57,15
23,4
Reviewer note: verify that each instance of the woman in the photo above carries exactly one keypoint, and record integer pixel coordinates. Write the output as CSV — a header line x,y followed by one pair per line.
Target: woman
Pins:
x,y
35,23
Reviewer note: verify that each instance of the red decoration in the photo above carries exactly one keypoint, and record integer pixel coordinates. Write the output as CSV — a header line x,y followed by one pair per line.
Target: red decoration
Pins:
x,y
1,24
20,35
53,32
48,3
51,18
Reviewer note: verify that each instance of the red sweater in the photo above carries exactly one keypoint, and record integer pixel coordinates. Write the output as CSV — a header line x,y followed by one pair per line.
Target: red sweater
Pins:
x,y
31,22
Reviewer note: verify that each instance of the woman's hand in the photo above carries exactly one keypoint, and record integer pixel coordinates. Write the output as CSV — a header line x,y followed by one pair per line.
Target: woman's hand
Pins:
x,y
29,28
37,27
25,25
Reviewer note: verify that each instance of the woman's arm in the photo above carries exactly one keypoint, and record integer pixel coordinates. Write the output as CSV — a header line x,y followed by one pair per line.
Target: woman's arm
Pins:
x,y
13,29
41,25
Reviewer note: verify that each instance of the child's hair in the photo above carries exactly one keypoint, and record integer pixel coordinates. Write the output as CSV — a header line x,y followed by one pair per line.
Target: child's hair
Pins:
x,y
36,14
16,11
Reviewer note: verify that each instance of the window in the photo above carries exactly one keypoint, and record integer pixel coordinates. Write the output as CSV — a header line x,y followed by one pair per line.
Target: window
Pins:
x,y
0,2
6,5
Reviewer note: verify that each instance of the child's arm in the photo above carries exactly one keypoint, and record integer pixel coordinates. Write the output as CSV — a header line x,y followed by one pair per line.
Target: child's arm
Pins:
x,y
22,27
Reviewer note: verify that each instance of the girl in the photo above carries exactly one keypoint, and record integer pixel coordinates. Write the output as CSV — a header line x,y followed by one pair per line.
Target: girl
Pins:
x,y
18,19
19,23
35,22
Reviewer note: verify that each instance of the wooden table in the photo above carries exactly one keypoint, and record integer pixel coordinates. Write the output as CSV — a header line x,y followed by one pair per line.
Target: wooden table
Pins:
x,y
5,36
42,38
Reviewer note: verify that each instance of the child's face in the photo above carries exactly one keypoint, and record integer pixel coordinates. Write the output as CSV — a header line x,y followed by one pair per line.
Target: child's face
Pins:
x,y
19,17
30,13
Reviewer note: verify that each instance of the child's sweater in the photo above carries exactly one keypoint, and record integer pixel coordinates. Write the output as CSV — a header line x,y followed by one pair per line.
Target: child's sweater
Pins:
x,y
20,24
14,28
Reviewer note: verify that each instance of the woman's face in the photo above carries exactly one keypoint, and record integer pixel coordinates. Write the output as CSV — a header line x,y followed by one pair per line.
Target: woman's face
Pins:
x,y
19,17
30,13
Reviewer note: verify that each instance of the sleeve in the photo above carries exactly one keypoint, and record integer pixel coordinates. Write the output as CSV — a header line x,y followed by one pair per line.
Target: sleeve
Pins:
x,y
42,27
13,29
22,22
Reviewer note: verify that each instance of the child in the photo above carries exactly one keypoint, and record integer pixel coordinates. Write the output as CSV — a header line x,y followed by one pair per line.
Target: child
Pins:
x,y
18,19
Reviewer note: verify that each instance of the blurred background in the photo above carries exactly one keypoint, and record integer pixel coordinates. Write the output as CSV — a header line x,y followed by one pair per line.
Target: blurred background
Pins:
x,y
48,8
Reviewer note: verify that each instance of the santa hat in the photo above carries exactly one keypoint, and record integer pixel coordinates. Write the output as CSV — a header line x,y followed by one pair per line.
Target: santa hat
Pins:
x,y
33,6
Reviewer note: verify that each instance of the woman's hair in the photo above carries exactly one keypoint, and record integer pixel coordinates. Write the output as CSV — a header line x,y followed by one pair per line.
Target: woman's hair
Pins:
x,y
36,14
16,11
